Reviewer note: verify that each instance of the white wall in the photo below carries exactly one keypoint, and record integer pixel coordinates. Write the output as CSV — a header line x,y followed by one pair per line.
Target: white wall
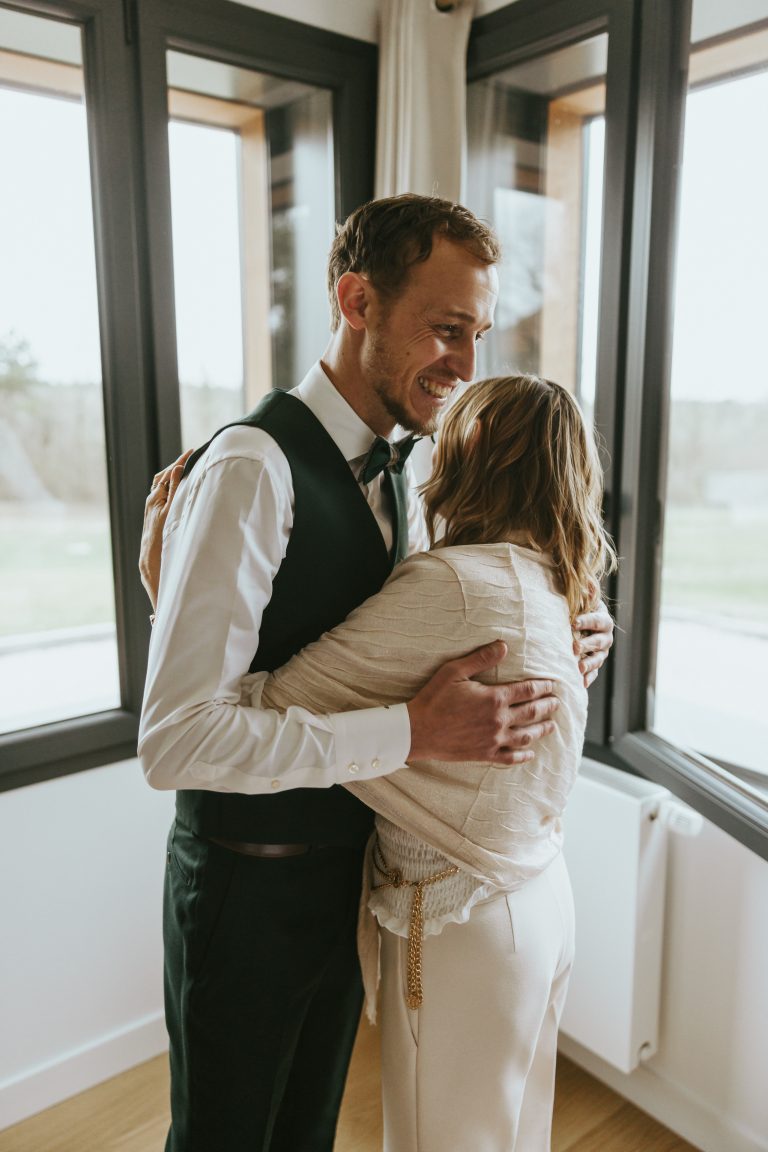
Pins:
x,y
483,7
82,861
708,1079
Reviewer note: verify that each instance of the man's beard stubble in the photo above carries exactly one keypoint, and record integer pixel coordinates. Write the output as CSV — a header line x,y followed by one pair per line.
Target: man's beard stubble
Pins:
x,y
382,371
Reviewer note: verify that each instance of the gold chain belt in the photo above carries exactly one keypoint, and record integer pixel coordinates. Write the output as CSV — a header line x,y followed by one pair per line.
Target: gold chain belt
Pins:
x,y
395,879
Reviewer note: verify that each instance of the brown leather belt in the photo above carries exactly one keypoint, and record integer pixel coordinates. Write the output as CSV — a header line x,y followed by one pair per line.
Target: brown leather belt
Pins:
x,y
268,851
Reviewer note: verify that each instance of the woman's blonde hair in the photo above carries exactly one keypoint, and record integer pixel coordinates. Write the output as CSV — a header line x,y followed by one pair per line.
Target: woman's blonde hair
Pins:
x,y
514,455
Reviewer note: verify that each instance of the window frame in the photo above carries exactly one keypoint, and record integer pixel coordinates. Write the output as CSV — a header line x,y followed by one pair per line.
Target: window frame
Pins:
x,y
643,425
124,45
517,33
647,80
30,755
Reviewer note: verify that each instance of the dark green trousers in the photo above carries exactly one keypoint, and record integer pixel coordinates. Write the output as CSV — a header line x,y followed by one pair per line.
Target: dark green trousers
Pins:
x,y
262,992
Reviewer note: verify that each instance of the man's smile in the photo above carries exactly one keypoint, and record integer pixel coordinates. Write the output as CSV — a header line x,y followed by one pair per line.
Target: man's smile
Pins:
x,y
434,388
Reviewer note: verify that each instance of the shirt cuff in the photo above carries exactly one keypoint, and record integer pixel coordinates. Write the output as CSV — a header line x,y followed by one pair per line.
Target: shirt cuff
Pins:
x,y
371,742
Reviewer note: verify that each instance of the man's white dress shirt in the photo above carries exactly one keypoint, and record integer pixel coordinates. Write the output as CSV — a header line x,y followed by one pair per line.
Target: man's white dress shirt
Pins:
x,y
226,535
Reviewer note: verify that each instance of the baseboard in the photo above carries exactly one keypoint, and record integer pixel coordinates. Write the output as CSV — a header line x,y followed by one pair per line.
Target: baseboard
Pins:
x,y
670,1104
39,1088
36,1089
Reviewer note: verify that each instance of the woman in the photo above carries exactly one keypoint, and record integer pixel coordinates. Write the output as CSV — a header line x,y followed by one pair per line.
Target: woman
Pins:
x,y
466,879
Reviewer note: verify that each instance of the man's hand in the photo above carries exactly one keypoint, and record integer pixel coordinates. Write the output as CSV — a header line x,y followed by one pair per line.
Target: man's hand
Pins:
x,y
592,640
454,717
156,511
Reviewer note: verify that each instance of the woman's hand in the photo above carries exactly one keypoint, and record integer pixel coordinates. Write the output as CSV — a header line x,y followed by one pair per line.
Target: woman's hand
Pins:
x,y
592,641
156,511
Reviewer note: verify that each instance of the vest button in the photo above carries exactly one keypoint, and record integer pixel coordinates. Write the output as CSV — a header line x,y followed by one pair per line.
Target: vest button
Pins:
x,y
353,768
275,783
375,763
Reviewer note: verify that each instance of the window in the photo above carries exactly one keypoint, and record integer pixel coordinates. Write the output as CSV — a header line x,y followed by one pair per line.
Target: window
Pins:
x,y
57,617
536,158
251,159
275,100
658,229
713,611
90,398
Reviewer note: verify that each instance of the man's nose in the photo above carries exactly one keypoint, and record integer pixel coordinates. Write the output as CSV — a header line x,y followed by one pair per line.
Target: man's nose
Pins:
x,y
463,359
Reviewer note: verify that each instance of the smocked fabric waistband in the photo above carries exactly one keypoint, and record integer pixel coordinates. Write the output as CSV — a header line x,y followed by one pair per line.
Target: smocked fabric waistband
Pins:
x,y
393,878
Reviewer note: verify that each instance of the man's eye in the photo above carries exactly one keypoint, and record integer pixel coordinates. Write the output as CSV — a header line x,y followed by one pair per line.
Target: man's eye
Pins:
x,y
449,330
479,336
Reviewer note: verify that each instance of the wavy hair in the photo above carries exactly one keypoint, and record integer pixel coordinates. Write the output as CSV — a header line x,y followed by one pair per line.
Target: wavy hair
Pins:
x,y
514,455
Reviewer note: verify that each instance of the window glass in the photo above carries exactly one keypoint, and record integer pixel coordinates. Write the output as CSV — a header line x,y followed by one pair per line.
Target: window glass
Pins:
x,y
57,609
536,145
713,627
252,189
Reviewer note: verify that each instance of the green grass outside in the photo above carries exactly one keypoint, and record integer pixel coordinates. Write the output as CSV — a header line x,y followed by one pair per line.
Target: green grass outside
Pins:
x,y
56,567
716,562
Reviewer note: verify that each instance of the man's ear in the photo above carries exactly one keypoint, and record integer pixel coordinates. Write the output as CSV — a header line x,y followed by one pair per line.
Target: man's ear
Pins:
x,y
353,292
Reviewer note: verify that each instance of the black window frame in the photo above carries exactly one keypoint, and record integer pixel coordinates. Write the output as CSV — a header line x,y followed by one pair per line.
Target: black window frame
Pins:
x,y
648,47
124,65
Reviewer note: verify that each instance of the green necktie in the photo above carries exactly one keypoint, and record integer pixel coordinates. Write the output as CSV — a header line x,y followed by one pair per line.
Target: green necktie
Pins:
x,y
399,493
383,455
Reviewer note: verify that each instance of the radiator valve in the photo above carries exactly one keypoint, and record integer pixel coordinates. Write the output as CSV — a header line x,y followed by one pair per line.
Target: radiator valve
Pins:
x,y
681,819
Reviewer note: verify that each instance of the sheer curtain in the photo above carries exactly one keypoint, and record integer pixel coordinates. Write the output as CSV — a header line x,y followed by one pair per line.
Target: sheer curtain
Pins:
x,y
490,166
421,138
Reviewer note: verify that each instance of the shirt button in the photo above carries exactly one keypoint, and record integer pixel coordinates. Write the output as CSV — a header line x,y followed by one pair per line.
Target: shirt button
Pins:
x,y
375,763
353,768
275,783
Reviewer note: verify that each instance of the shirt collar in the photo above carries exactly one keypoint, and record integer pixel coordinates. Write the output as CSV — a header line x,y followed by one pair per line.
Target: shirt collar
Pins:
x,y
350,434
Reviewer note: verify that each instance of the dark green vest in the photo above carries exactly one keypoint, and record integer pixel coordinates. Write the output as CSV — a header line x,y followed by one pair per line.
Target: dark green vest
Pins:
x,y
335,559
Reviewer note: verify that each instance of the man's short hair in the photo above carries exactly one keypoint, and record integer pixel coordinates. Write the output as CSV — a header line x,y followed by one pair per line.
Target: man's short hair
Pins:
x,y
383,239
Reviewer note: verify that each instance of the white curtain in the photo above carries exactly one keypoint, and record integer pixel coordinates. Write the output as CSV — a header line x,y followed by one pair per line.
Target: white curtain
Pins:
x,y
422,98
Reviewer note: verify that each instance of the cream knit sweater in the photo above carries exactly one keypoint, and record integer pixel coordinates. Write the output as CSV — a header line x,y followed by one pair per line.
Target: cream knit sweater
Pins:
x,y
500,825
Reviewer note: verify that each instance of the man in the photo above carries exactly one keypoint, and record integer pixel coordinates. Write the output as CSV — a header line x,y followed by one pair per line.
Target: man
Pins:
x,y
281,529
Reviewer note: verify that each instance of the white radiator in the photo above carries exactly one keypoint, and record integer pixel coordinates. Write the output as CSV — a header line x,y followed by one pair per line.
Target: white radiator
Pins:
x,y
616,829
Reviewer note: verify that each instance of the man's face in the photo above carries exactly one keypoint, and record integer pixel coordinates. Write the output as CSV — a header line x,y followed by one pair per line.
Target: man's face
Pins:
x,y
421,343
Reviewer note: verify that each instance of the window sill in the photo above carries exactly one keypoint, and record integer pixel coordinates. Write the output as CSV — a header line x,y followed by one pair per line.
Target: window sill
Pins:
x,y
43,753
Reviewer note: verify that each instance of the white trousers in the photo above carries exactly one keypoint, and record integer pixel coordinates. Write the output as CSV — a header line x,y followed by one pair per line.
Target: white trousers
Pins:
x,y
473,1069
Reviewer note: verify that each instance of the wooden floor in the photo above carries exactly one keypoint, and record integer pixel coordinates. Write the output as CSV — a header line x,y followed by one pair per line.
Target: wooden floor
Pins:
x,y
130,1114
